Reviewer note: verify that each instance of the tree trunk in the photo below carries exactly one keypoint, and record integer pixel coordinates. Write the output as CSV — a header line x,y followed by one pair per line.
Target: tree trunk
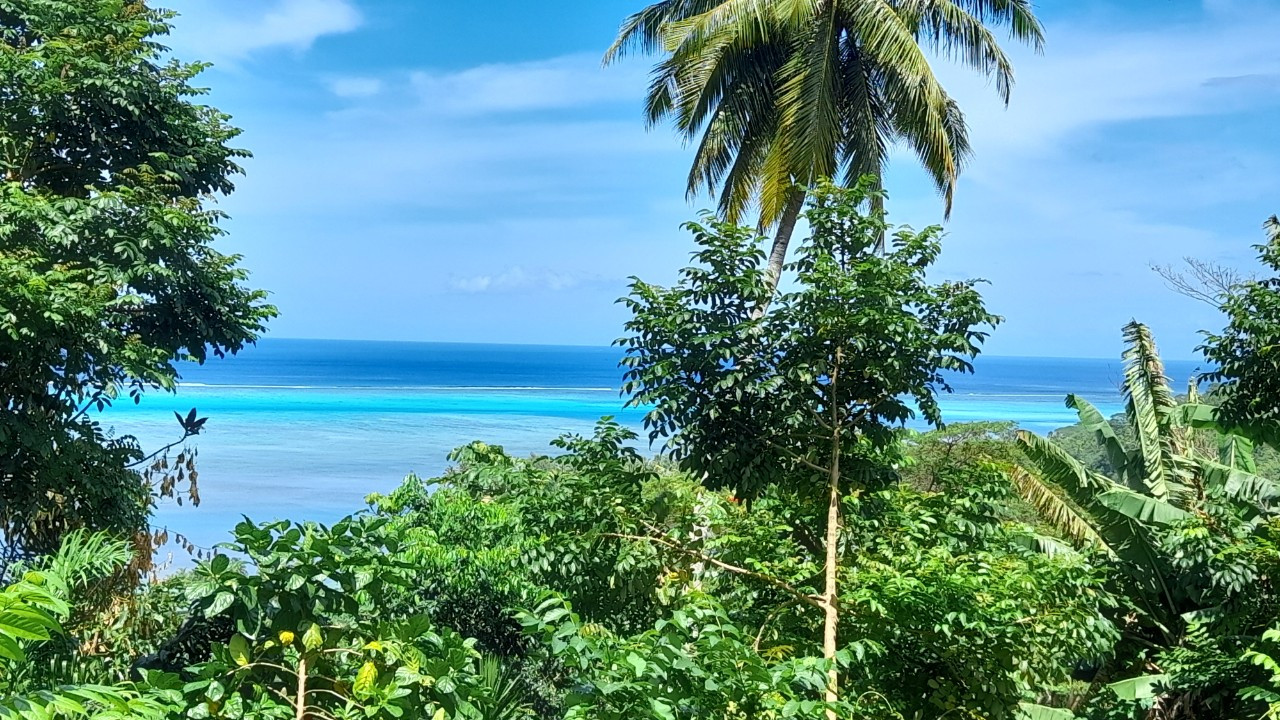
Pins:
x,y
831,610
300,710
782,239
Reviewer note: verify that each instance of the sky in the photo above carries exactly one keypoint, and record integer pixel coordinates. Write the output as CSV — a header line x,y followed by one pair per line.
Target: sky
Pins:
x,y
469,172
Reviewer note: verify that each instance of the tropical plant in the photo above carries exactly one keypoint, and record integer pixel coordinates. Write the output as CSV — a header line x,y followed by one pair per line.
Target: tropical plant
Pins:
x,y
299,630
698,662
1184,521
108,274
1244,353
785,93
805,396
32,613
496,533
953,609
1270,662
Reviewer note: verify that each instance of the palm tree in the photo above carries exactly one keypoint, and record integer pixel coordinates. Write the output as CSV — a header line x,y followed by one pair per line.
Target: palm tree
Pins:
x,y
785,92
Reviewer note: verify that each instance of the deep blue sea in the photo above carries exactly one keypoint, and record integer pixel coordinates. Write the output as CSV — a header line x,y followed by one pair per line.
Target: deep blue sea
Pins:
x,y
307,428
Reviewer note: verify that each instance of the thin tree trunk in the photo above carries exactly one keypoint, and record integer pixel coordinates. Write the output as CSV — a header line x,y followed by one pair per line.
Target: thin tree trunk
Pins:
x,y
300,711
831,617
782,239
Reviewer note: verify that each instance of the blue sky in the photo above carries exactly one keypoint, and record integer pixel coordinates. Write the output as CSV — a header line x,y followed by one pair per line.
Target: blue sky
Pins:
x,y
468,171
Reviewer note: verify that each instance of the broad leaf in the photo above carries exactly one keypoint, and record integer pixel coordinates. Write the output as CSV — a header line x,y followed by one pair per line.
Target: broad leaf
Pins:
x,y
1143,687
1149,403
1031,711
1093,421
1146,510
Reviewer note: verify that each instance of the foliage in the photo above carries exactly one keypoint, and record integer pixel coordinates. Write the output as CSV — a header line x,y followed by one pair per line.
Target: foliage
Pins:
x,y
696,662
748,400
1269,662
951,608
758,399
307,635
966,611
1244,352
107,271
496,532
1185,522
99,633
786,93
32,611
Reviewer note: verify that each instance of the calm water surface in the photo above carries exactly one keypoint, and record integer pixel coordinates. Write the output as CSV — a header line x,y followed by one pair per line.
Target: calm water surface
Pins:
x,y
308,428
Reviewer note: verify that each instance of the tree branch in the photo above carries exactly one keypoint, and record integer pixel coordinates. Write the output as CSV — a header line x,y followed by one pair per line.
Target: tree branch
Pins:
x,y
185,435
782,585
798,458
770,618
1204,281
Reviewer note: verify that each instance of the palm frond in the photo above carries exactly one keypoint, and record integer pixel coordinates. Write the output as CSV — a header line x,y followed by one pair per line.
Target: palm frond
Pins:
x,y
1056,466
506,697
786,92
950,29
932,125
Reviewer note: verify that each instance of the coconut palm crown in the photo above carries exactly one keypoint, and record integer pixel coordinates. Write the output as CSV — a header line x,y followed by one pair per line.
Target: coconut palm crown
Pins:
x,y
785,92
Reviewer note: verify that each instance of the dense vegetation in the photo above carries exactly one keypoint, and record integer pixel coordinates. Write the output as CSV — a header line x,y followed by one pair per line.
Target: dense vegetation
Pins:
x,y
790,551
107,272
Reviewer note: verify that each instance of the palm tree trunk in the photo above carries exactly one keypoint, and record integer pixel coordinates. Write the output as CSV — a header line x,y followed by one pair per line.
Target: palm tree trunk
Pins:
x,y
782,239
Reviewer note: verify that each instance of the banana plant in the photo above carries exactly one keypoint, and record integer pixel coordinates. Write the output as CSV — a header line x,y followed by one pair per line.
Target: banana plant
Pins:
x,y
1162,478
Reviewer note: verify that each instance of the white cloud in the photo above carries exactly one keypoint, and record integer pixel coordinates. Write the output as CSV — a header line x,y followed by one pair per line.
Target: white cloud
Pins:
x,y
1122,147
571,81
1089,79
392,145
231,30
355,87
517,279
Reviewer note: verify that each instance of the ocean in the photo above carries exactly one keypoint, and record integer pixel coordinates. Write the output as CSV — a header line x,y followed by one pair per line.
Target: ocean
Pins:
x,y
305,429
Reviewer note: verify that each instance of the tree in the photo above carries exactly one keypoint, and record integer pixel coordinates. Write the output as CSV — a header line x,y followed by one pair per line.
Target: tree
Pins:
x,y
784,93
1244,353
1184,519
803,397
108,274
954,608
1205,281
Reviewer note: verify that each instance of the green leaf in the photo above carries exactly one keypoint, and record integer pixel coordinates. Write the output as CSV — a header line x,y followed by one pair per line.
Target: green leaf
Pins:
x,y
313,638
220,602
219,564
637,663
1031,711
1146,510
365,679
1094,422
1143,687
239,647
1150,404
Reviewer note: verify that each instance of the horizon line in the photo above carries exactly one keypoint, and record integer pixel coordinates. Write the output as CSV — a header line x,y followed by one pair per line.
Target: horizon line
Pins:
x,y
606,347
